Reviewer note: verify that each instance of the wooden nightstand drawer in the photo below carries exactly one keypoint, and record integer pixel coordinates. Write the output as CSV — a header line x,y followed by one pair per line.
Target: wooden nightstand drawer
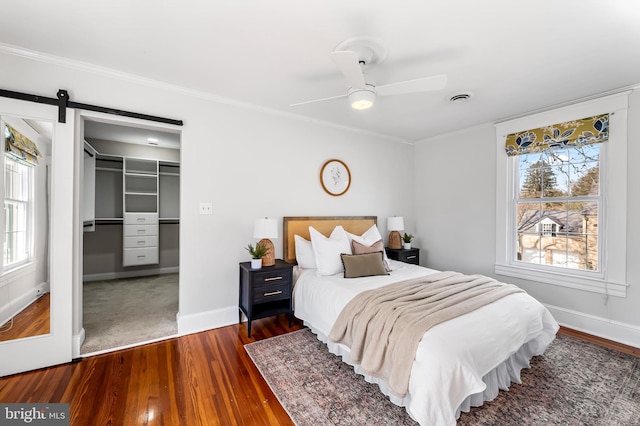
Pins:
x,y
411,255
271,292
271,277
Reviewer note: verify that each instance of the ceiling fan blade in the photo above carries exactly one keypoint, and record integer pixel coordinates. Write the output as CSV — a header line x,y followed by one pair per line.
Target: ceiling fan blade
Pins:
x,y
349,65
425,84
318,100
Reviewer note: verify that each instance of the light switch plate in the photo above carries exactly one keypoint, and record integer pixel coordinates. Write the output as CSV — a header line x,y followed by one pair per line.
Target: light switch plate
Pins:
x,y
206,208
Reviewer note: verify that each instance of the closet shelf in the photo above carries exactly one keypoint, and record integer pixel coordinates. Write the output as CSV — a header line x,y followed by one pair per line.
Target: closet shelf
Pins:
x,y
109,221
108,169
141,174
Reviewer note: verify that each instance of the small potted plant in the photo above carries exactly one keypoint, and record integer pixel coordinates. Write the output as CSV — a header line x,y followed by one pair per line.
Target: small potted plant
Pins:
x,y
406,241
257,253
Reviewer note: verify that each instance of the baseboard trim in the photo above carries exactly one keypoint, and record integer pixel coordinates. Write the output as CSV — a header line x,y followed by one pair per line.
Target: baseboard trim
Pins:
x,y
15,306
597,326
130,274
202,321
78,340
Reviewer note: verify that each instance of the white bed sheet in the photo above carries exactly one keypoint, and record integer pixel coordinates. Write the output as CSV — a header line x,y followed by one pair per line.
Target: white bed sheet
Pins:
x,y
460,363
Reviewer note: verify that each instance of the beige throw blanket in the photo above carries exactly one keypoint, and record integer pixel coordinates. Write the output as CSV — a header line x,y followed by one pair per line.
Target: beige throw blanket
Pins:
x,y
383,327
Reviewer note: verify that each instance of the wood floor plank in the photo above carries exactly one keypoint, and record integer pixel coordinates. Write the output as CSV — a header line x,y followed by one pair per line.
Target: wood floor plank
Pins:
x,y
34,320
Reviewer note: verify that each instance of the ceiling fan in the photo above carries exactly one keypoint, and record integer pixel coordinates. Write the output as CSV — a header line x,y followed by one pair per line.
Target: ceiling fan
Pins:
x,y
353,58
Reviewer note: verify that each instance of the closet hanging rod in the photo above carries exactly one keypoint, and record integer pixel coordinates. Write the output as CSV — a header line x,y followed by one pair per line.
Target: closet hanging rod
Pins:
x,y
63,102
109,159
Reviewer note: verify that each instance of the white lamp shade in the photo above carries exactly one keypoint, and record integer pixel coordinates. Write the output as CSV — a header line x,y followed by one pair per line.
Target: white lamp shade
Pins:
x,y
265,228
395,223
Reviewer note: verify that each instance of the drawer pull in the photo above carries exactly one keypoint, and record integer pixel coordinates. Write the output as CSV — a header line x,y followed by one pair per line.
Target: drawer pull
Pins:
x,y
141,256
142,219
411,257
141,231
141,243
273,293
273,279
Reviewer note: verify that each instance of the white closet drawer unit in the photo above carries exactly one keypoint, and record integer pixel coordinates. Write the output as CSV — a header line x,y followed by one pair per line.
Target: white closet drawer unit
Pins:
x,y
138,230
141,218
141,241
140,256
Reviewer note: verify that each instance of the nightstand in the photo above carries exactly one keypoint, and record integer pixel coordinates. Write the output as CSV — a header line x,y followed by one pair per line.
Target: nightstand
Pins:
x,y
266,291
411,255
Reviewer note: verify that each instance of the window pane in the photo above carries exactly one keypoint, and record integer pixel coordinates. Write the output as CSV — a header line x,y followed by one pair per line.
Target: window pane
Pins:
x,y
532,180
555,182
528,246
562,233
16,237
585,179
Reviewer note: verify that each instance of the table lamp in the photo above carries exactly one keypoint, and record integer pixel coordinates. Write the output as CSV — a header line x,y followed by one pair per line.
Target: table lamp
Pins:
x,y
265,229
395,224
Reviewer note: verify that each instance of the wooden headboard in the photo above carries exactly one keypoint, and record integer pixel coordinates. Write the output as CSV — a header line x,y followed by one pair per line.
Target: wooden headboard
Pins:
x,y
324,224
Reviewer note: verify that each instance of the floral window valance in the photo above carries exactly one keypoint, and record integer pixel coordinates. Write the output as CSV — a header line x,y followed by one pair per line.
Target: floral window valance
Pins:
x,y
585,131
20,147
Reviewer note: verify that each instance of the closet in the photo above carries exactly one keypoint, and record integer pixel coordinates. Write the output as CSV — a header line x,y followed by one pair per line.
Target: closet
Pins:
x,y
130,264
141,194
131,197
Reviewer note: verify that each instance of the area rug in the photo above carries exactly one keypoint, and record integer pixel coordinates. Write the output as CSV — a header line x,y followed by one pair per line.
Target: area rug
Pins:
x,y
127,311
573,383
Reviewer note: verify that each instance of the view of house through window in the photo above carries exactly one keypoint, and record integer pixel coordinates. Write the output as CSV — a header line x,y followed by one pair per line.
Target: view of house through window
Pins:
x,y
17,195
556,207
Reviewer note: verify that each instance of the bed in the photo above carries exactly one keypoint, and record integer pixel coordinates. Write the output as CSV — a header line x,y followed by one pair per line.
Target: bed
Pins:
x,y
458,364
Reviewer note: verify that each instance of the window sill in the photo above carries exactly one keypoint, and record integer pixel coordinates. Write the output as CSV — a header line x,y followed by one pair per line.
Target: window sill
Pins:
x,y
17,272
574,281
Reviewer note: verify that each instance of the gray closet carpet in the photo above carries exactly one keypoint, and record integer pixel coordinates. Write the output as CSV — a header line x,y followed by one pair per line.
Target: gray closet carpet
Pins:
x,y
125,311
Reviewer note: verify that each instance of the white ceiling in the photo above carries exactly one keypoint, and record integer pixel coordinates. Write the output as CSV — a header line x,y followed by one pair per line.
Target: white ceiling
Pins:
x,y
514,56
96,130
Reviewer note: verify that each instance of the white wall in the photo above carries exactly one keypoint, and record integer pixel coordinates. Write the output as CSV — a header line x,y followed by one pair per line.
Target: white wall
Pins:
x,y
249,163
455,215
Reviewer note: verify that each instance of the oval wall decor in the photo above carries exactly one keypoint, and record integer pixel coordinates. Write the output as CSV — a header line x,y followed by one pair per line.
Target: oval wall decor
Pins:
x,y
335,177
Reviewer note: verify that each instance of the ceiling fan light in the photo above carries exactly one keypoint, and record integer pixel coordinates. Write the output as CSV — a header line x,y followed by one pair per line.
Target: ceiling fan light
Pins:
x,y
362,99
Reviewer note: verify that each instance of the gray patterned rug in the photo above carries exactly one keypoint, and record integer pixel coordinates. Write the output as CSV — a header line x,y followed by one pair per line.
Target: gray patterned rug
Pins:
x,y
573,383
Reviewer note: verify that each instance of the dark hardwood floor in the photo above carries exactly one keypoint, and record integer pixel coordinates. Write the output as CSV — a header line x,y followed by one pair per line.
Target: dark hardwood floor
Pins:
x,y
32,321
199,379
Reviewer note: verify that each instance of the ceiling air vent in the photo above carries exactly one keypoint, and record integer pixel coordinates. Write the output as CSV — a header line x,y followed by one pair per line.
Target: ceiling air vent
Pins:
x,y
462,97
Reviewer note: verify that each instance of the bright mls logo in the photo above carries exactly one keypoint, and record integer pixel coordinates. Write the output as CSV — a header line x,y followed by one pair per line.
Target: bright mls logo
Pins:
x,y
36,414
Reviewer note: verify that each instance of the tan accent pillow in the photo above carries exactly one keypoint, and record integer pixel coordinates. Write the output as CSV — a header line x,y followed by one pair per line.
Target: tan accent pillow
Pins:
x,y
363,265
358,248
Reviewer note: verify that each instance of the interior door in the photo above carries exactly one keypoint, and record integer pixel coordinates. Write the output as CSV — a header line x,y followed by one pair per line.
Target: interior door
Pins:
x,y
54,347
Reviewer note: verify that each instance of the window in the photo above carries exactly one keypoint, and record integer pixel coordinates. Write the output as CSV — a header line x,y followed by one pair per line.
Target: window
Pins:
x,y
19,161
17,209
561,209
556,207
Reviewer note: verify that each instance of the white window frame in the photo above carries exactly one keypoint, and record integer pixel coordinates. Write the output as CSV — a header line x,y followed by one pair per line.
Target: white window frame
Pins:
x,y
10,268
611,278
29,208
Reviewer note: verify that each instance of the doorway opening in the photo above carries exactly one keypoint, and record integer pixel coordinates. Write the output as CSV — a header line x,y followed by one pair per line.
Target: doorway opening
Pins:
x,y
130,205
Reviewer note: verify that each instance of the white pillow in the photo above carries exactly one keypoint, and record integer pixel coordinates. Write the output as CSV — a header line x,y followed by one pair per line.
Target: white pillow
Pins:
x,y
328,250
304,253
369,238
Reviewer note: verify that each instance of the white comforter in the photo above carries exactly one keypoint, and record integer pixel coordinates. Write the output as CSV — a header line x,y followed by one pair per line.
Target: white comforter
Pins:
x,y
492,343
